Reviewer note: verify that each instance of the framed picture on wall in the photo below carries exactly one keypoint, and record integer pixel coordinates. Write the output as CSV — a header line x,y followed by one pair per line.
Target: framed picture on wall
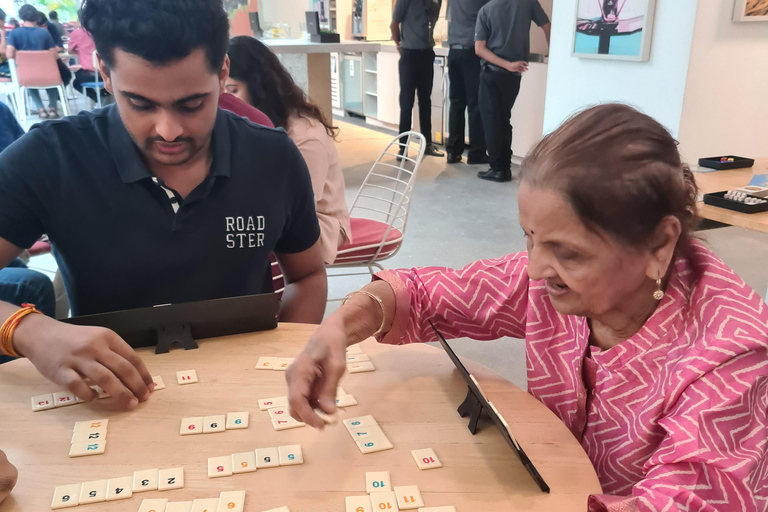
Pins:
x,y
614,29
750,10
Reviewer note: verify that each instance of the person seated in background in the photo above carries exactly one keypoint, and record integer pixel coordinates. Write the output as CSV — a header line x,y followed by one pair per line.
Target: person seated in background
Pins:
x,y
256,76
14,23
647,347
80,43
161,198
5,71
42,22
54,20
30,37
8,476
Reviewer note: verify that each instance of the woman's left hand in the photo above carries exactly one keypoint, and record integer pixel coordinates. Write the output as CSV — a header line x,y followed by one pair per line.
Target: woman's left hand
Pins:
x,y
8,476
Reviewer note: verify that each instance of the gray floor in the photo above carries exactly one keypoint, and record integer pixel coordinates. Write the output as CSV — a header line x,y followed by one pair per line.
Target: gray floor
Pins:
x,y
456,218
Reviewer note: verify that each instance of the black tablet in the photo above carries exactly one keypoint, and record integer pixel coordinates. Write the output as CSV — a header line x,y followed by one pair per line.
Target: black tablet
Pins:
x,y
166,324
497,419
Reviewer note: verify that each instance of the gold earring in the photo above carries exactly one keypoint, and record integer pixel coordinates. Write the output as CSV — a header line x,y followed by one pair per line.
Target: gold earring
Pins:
x,y
659,293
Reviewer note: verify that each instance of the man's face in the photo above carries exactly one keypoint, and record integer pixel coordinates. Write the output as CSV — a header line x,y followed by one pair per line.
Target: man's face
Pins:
x,y
168,110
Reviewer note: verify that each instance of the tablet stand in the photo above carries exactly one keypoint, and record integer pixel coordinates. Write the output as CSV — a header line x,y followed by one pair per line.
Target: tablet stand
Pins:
x,y
169,335
472,406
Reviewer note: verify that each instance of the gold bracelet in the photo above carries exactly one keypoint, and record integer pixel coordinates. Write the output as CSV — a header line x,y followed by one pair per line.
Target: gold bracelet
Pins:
x,y
381,305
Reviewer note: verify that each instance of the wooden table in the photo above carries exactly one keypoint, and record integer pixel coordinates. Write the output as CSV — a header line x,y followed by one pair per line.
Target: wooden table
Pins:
x,y
413,394
729,180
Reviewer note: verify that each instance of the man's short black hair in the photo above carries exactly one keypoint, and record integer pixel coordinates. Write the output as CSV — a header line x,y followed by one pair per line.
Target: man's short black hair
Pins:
x,y
159,31
53,15
28,13
42,19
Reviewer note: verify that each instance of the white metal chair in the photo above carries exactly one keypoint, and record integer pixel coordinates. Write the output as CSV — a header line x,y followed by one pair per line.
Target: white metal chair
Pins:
x,y
379,212
9,92
97,85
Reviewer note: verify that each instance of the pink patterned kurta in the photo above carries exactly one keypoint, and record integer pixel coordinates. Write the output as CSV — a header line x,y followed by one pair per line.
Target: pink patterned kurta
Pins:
x,y
674,418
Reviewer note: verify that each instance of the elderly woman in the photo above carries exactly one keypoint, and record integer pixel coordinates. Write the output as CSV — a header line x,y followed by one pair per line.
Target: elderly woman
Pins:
x,y
650,350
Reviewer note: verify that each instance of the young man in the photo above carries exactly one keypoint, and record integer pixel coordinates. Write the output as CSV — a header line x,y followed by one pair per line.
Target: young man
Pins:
x,y
464,74
54,17
502,41
160,198
82,44
412,27
30,37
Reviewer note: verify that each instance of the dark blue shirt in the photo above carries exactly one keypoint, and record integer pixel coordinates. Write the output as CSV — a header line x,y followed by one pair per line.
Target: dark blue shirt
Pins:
x,y
55,35
9,127
30,39
116,237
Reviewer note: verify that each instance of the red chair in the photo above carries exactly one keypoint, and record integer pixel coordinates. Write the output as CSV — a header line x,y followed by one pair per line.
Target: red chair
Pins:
x,y
379,212
36,70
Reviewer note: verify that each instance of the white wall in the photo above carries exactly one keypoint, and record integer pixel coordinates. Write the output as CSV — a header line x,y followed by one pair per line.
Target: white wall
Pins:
x,y
655,87
726,100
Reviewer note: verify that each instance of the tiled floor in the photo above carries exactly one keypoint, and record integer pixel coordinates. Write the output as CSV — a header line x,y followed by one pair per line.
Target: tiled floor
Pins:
x,y
456,218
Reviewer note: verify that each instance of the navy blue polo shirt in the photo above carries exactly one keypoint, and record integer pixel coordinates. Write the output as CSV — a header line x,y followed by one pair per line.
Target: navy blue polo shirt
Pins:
x,y
116,234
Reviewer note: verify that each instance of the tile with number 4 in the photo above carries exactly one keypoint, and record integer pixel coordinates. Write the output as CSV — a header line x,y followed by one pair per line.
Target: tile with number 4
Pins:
x,y
231,501
358,503
384,501
145,480
119,488
172,478
237,420
244,462
179,506
191,426
267,457
205,505
187,377
290,455
377,481
219,466
426,459
153,505
42,403
374,444
266,363
85,449
212,424
408,497
93,492
65,496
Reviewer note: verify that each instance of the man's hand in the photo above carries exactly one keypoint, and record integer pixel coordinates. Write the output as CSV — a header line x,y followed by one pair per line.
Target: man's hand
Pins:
x,y
70,354
315,374
517,66
8,476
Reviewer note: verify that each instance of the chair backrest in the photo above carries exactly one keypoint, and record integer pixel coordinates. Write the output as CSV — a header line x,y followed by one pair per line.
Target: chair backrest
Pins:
x,y
37,69
385,195
95,63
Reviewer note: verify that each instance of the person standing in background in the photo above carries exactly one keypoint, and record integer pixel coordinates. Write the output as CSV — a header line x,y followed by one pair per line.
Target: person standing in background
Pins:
x,y
464,75
54,17
413,23
502,41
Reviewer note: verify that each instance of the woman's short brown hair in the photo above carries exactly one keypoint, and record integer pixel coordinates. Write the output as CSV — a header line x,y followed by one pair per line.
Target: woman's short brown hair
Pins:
x,y
620,171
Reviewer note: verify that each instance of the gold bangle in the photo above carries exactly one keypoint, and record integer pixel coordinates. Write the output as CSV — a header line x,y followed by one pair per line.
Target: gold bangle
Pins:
x,y
381,305
9,326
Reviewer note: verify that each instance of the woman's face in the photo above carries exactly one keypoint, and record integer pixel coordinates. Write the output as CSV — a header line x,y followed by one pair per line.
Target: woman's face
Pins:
x,y
585,273
238,89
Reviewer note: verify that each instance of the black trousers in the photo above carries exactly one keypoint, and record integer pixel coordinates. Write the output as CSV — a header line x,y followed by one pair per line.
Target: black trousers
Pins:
x,y
83,76
464,73
417,73
498,92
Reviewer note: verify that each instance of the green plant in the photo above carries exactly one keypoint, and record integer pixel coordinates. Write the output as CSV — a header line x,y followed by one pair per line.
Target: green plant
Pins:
x,y
67,9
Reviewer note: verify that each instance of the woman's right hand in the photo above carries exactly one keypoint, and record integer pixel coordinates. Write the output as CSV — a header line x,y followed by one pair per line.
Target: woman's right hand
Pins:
x,y
8,476
315,374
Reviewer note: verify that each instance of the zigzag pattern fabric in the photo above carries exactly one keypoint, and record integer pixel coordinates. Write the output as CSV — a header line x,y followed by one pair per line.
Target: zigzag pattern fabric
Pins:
x,y
674,418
